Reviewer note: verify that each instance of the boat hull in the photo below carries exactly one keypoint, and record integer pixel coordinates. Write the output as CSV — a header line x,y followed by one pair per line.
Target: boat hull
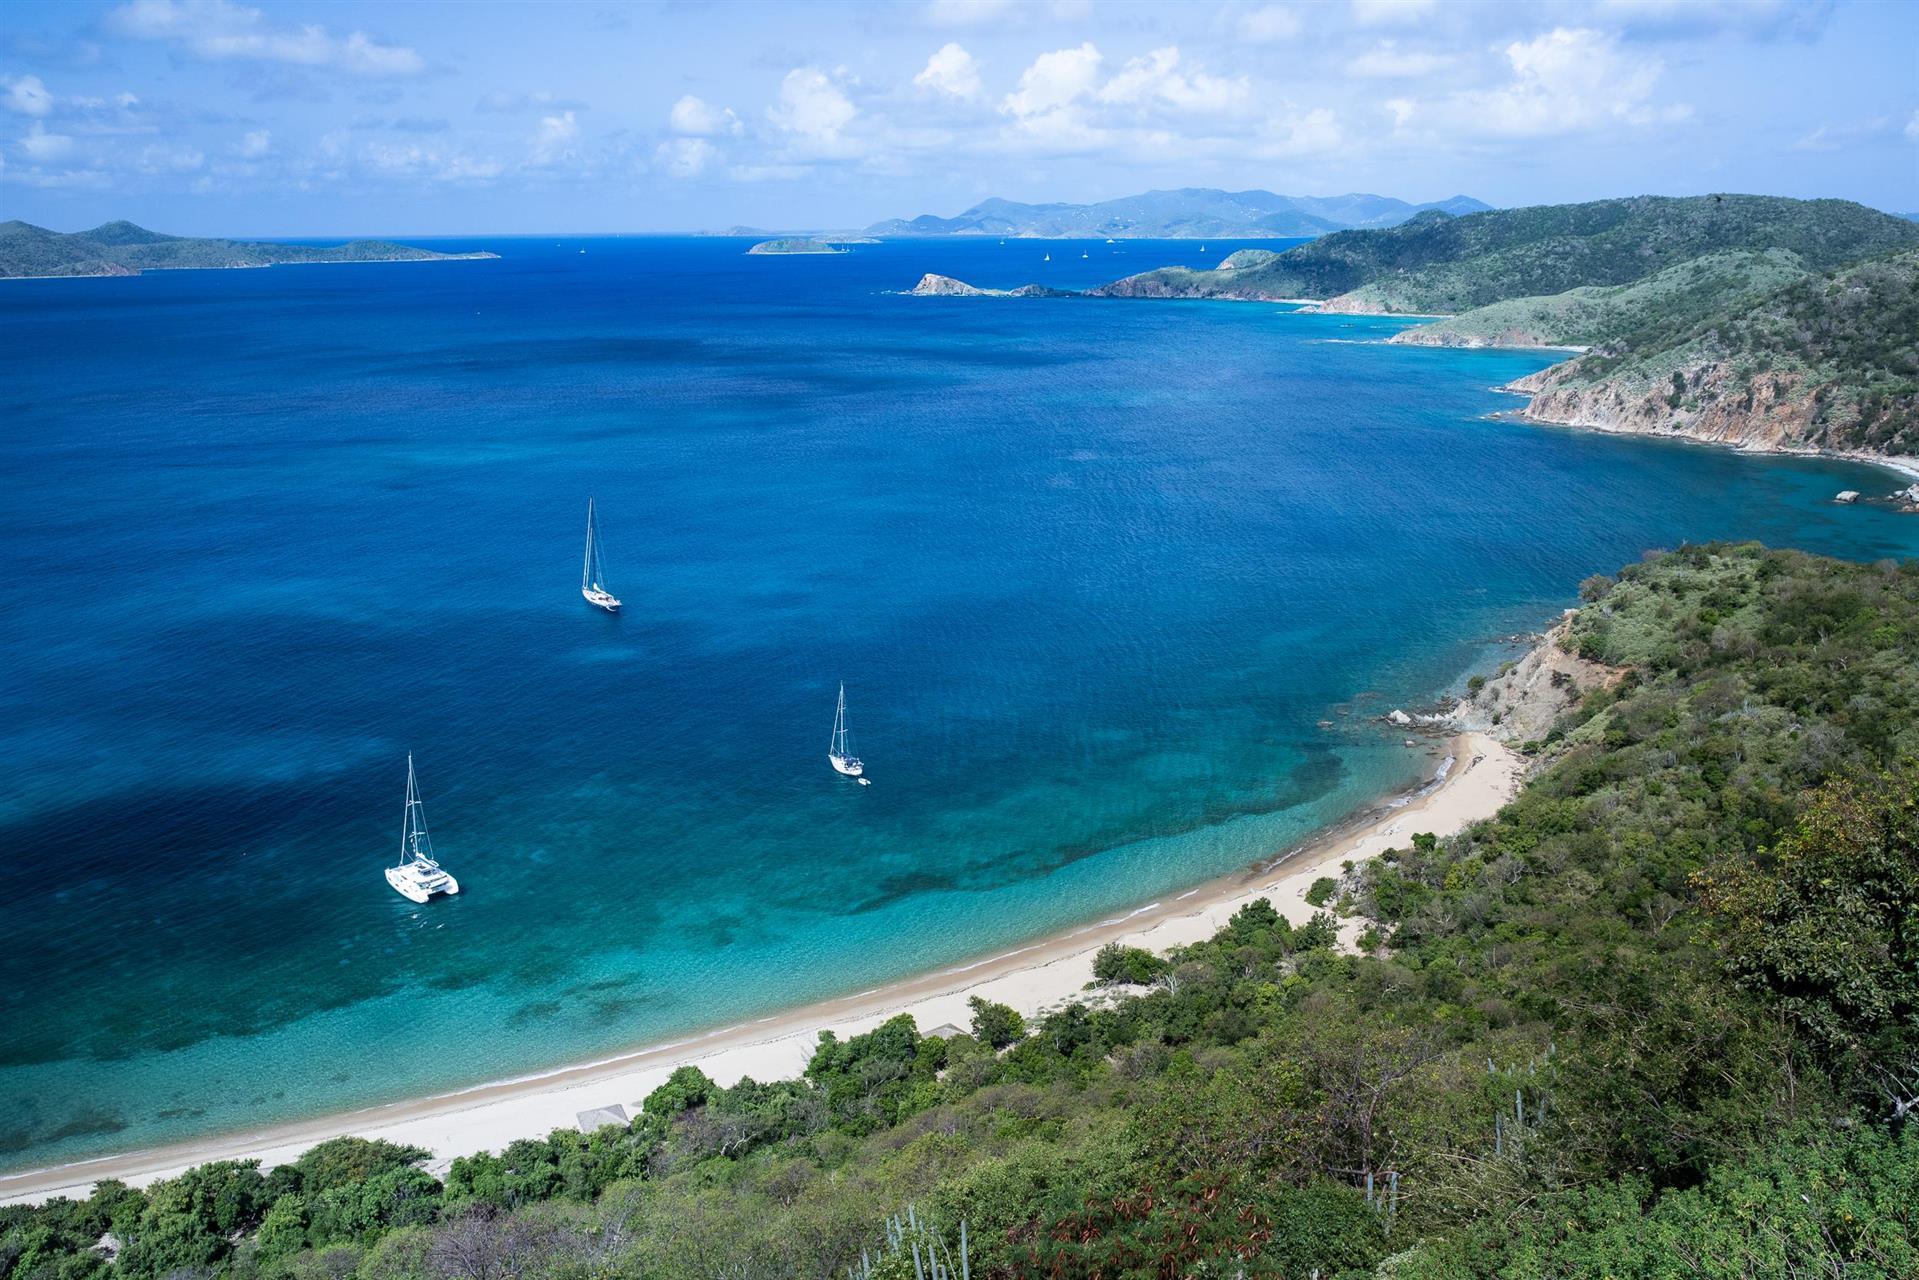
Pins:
x,y
600,600
841,764
413,889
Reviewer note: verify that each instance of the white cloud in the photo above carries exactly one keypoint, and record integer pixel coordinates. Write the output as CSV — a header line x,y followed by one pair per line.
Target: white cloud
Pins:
x,y
1391,13
1565,81
811,106
1270,25
1301,133
412,160
256,144
1054,81
556,138
951,70
696,118
217,30
967,13
28,96
1156,79
686,157
1386,61
1912,128
42,146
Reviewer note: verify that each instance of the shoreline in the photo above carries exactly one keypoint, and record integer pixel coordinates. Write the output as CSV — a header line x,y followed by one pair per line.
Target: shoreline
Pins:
x,y
1907,468
1478,775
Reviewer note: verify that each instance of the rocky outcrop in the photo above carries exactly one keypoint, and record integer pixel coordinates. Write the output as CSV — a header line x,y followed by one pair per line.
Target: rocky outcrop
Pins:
x,y
795,246
1522,702
938,286
1707,401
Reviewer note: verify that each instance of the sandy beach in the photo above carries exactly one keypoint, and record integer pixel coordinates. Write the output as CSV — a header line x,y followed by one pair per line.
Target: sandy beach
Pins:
x,y
1478,776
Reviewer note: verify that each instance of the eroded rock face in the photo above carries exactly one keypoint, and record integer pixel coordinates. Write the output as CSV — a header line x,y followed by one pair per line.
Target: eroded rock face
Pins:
x,y
1772,410
1521,703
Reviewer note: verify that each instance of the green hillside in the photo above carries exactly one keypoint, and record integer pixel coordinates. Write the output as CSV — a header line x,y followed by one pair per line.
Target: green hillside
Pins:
x,y
1686,293
1659,1017
1437,264
121,248
1830,361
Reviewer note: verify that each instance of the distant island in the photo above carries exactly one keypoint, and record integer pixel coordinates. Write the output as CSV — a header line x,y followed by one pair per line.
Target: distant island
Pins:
x,y
807,245
1189,213
123,249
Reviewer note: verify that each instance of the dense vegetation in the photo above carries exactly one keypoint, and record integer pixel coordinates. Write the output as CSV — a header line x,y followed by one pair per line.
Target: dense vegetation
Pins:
x,y
120,249
1660,1016
1838,351
1597,315
1440,264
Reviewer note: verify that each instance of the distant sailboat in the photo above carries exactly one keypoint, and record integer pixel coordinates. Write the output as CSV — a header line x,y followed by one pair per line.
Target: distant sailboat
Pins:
x,y
1047,258
417,876
592,571
837,752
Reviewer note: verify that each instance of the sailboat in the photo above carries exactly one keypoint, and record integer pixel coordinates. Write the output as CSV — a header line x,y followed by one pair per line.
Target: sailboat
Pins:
x,y
417,876
592,572
837,752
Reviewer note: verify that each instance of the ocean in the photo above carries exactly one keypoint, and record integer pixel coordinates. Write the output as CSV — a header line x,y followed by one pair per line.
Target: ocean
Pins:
x,y
1093,573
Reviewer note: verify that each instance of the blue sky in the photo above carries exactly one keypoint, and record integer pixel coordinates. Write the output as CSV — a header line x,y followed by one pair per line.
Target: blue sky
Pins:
x,y
207,116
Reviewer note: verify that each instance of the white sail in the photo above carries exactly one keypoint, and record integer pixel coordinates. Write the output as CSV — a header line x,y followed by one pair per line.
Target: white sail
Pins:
x,y
593,569
838,753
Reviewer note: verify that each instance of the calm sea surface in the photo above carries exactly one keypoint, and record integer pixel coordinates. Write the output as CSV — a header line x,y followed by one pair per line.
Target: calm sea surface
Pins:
x,y
1092,573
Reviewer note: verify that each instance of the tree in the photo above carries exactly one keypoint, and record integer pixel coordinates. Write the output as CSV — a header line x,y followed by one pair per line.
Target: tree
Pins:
x,y
996,1024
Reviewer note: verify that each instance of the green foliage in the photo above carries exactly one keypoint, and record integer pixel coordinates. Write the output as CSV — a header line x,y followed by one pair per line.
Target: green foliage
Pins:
x,y
120,248
1321,891
1134,965
996,1024
1450,265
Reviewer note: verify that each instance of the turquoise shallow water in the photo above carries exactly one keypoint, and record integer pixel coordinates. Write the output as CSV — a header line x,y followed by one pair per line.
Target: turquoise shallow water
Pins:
x,y
1092,572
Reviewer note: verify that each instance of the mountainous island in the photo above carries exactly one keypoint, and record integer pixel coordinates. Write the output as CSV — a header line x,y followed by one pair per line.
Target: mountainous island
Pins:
x,y
123,249
1186,213
1749,320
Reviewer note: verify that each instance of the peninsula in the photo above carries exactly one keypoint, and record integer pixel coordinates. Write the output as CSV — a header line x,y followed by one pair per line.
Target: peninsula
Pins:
x,y
1763,322
123,249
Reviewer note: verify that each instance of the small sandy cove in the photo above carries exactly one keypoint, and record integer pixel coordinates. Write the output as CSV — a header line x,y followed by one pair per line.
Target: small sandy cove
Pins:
x,y
1480,776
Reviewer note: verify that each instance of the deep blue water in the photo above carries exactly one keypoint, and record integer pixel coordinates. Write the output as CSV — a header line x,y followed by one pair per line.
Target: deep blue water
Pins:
x,y
1092,571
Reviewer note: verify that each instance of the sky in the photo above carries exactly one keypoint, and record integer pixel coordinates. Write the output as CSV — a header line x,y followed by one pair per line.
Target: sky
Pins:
x,y
218,118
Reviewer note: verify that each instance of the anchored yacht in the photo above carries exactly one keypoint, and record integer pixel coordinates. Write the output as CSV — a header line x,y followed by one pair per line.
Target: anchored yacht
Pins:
x,y
838,753
417,876
592,571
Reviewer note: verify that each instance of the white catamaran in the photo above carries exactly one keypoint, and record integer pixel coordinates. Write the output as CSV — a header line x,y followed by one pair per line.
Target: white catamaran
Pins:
x,y
592,571
417,876
837,752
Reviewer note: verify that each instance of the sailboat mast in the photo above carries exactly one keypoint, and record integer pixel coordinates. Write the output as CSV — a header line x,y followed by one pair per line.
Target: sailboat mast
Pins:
x,y
586,564
406,810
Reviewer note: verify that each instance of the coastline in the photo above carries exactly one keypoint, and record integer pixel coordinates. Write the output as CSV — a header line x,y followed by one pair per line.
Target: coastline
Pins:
x,y
1907,468
1479,776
